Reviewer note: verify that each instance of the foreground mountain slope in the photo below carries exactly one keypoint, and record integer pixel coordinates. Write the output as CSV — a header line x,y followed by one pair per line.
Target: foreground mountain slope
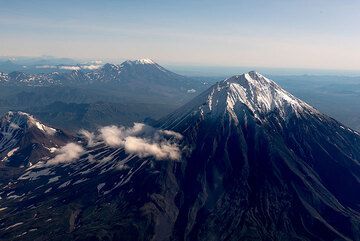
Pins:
x,y
256,163
108,192
265,166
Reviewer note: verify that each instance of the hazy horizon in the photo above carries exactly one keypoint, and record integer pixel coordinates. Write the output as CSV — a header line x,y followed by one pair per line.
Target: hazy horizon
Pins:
x,y
198,69
258,34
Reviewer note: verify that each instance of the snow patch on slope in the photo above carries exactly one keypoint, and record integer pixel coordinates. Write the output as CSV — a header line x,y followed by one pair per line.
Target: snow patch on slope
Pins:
x,y
17,119
44,128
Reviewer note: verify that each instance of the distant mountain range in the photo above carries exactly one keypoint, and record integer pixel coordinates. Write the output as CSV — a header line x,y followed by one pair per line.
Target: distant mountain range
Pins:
x,y
244,160
337,96
130,73
139,77
138,85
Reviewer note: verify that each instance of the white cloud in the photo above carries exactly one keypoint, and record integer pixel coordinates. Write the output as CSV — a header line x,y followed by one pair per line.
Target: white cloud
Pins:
x,y
89,136
112,135
67,153
91,67
172,133
70,67
146,147
143,140
98,62
115,136
45,67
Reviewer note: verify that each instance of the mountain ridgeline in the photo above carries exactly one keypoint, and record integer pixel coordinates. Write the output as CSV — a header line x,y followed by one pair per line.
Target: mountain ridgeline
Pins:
x,y
244,160
143,74
24,140
124,93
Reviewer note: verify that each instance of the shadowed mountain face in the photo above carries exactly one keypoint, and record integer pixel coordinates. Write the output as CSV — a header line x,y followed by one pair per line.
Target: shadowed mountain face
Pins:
x,y
265,166
256,164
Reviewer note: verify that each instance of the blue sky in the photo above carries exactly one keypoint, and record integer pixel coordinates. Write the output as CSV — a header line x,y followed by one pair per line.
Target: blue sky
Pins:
x,y
280,34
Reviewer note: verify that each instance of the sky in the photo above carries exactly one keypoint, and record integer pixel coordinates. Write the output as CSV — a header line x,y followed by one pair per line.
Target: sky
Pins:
x,y
274,34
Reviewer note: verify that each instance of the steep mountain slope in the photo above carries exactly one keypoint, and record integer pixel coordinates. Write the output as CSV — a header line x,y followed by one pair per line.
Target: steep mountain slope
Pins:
x,y
265,166
256,163
25,141
337,96
104,188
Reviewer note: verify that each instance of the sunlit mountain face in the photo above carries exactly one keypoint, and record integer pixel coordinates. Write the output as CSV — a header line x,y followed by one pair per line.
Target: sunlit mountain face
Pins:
x,y
244,160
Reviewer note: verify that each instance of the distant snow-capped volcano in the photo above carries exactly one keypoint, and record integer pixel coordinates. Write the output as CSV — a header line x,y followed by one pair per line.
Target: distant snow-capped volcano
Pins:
x,y
141,74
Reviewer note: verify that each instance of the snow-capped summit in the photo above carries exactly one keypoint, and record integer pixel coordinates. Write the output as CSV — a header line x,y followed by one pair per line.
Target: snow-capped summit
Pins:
x,y
261,95
247,94
145,61
145,65
254,146
140,61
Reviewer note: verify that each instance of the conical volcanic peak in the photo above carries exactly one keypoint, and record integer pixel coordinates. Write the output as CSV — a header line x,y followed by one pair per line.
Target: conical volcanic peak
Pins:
x,y
147,64
250,95
258,153
261,95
